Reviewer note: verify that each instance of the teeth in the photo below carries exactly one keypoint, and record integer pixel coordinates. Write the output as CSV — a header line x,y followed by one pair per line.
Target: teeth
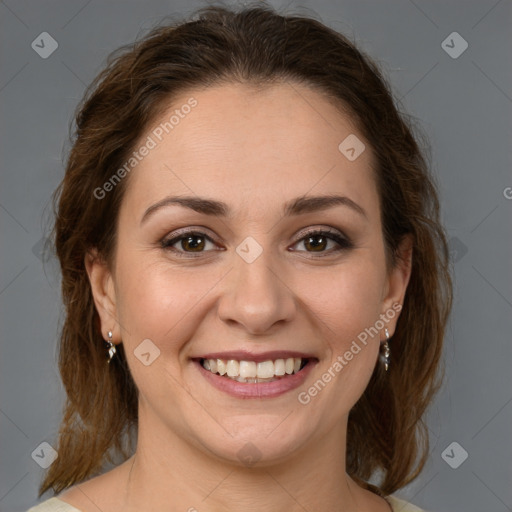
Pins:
x,y
221,367
265,370
279,367
233,368
249,371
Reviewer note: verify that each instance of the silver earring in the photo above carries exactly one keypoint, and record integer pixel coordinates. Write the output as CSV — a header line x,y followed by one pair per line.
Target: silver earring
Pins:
x,y
385,353
111,347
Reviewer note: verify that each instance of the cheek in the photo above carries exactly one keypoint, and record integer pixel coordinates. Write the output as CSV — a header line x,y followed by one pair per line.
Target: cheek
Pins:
x,y
156,303
347,299
348,304
160,301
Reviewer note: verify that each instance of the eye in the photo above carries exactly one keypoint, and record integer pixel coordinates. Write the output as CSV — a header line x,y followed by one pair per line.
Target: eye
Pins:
x,y
188,242
319,240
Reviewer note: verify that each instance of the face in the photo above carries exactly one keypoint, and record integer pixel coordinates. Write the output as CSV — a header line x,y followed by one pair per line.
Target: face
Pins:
x,y
247,266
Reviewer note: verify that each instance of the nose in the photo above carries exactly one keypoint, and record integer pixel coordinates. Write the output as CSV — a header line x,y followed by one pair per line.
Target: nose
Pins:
x,y
256,296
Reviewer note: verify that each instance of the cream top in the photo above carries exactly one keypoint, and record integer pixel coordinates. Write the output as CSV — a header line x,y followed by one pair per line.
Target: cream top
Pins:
x,y
57,505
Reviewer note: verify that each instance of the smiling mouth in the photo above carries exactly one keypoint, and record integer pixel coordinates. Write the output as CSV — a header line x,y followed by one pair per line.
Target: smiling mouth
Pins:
x,y
252,372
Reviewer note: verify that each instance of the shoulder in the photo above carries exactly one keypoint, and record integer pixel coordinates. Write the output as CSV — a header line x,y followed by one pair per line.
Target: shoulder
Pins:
x,y
57,505
103,491
53,505
399,505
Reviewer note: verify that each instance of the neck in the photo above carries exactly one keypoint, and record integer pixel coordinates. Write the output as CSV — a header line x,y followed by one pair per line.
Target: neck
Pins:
x,y
169,472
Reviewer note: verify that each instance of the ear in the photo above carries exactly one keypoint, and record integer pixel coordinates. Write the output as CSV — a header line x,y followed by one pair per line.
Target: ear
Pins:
x,y
397,281
103,292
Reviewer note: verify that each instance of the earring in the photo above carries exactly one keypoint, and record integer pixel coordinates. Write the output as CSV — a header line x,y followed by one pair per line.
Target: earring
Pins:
x,y
385,353
111,347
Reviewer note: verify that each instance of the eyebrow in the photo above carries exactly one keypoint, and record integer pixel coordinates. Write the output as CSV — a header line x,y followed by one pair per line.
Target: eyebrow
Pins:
x,y
297,206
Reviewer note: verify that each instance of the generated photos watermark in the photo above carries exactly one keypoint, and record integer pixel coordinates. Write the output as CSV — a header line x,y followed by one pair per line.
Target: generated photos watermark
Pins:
x,y
304,397
151,142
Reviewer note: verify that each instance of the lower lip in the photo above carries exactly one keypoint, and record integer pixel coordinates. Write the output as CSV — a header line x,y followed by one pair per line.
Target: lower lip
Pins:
x,y
257,389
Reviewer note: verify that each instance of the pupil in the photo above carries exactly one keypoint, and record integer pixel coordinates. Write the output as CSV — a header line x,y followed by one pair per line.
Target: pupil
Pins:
x,y
317,246
193,246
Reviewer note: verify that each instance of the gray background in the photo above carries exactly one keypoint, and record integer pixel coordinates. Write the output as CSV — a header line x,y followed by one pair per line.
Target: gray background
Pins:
x,y
463,104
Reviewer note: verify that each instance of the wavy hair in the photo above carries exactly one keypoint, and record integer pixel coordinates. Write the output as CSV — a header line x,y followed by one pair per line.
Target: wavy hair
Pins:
x,y
253,45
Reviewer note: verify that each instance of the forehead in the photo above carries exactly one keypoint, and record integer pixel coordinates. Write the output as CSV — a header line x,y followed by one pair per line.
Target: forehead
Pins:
x,y
239,143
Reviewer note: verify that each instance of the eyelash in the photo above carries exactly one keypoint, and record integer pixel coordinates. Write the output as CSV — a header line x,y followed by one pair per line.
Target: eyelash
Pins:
x,y
343,242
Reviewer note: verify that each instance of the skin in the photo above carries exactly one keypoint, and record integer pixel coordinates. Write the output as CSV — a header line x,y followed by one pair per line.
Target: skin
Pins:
x,y
255,150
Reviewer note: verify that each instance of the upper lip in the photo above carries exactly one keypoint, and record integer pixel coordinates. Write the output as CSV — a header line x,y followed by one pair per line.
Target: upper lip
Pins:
x,y
244,355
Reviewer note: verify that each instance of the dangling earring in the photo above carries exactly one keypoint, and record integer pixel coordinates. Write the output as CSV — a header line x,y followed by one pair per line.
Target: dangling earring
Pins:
x,y
111,348
385,353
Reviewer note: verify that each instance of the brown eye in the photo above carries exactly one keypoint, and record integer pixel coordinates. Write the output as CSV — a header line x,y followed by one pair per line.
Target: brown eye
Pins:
x,y
190,242
317,243
193,243
324,242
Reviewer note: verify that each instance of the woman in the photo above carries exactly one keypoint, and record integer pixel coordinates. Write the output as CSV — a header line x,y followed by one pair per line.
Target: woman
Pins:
x,y
250,226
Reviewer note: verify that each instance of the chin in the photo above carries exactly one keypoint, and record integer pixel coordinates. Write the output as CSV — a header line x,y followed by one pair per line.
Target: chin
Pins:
x,y
258,439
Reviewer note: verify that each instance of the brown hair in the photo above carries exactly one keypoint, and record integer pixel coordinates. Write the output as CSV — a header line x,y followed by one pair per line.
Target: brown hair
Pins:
x,y
253,45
